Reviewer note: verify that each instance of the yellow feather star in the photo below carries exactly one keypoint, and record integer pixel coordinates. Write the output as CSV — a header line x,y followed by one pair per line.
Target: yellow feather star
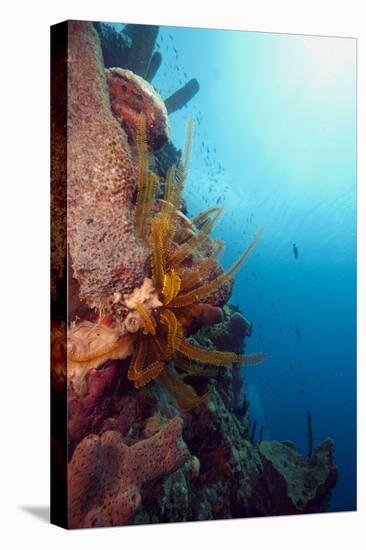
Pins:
x,y
173,238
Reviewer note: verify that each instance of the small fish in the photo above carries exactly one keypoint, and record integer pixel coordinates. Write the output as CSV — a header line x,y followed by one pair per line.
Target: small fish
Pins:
x,y
295,251
298,333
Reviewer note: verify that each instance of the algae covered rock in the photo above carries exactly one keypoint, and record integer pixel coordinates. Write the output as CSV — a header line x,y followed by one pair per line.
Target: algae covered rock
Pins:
x,y
298,484
237,478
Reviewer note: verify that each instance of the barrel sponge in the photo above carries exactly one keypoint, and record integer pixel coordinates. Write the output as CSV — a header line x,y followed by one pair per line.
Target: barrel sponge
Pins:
x,y
130,95
105,253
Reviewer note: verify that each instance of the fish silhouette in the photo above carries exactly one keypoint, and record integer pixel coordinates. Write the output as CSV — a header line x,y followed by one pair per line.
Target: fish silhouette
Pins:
x,y
295,250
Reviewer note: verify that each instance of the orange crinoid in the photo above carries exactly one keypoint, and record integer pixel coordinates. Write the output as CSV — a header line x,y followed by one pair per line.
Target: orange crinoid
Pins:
x,y
178,289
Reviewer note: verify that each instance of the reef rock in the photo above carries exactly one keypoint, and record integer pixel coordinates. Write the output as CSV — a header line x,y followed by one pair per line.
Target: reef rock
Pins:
x,y
236,477
236,328
297,484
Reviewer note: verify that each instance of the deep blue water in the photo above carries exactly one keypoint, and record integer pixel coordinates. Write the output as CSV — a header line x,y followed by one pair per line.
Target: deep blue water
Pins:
x,y
275,144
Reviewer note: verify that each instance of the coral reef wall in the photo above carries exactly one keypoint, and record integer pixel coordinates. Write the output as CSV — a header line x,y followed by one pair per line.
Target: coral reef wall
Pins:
x,y
132,455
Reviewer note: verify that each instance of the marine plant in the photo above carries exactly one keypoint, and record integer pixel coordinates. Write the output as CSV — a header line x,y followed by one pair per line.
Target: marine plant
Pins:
x,y
184,274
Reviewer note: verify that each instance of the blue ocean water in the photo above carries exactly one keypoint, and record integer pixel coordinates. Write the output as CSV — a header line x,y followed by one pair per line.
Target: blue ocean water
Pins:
x,y
275,144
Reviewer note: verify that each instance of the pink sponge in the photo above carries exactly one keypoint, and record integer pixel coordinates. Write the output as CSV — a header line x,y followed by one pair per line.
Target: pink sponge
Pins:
x,y
105,475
